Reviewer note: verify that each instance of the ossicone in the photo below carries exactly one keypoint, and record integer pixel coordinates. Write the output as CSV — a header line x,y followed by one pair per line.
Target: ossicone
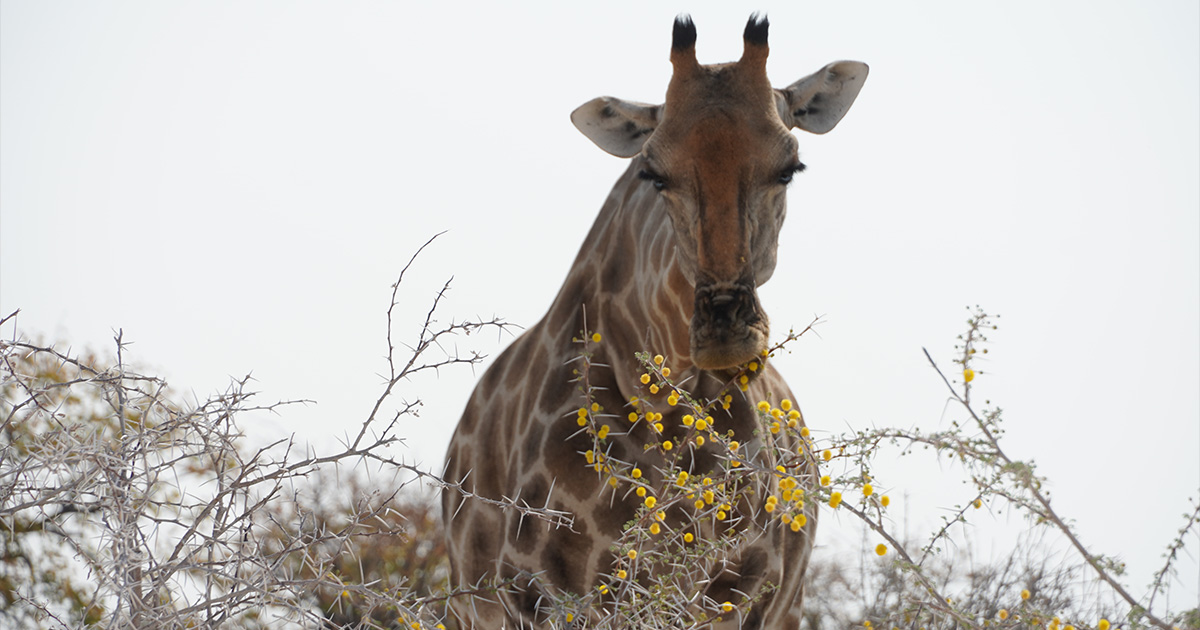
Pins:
x,y
684,35
755,40
756,30
683,46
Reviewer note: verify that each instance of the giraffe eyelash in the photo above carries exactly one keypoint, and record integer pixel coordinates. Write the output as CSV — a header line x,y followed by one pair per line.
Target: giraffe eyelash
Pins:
x,y
785,177
654,178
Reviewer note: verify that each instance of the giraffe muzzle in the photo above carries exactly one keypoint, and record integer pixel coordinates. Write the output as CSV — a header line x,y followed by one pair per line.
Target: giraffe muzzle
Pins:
x,y
729,327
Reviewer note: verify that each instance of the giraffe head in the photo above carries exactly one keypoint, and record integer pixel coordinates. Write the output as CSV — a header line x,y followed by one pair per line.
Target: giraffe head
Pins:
x,y
720,153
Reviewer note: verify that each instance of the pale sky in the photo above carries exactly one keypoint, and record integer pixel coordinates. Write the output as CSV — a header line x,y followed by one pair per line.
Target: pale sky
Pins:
x,y
236,185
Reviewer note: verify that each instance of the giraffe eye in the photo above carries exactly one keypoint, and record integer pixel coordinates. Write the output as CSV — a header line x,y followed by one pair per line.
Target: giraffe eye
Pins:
x,y
789,173
655,179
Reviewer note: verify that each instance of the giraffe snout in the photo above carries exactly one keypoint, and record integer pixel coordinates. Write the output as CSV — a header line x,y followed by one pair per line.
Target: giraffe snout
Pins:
x,y
728,325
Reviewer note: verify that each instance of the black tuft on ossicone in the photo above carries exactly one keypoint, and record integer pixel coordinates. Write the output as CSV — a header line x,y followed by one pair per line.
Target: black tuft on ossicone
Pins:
x,y
756,30
684,35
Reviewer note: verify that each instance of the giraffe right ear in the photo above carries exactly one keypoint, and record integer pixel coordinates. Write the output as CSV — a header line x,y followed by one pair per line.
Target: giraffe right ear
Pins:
x,y
617,126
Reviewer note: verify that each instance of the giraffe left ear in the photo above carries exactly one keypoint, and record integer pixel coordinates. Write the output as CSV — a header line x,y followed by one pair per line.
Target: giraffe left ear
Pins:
x,y
617,126
818,102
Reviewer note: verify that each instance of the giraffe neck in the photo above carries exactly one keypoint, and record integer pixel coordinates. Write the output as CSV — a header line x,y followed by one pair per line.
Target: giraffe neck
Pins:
x,y
627,283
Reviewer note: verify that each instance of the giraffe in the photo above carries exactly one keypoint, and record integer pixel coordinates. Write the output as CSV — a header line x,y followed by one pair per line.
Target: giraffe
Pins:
x,y
672,263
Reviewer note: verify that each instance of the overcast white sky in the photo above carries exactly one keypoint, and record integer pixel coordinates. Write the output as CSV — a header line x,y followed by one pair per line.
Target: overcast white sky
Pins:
x,y
236,185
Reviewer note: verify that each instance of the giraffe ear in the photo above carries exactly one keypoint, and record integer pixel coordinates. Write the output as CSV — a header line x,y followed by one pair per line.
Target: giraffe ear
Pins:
x,y
817,102
617,126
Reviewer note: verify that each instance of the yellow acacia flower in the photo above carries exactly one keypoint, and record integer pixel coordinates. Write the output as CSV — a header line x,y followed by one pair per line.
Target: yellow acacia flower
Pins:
x,y
651,501
785,404
682,478
688,537
968,375
721,515
825,480
658,427
688,420
672,399
645,378
653,388
590,456
770,507
826,454
764,406
867,490
632,554
596,337
835,500
699,504
881,549
1025,594
1103,625
622,574
582,421
641,491
1003,614
666,371
786,518
802,519
636,473
792,423
702,423
603,432
595,406
655,529
884,500
978,504
752,366
658,359
632,416
733,445
667,445
796,525
727,607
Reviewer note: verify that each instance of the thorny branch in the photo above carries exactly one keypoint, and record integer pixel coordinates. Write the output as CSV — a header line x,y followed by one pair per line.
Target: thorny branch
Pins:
x,y
174,521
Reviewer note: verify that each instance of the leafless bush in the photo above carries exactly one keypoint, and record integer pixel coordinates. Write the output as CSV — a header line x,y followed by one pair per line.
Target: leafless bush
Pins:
x,y
122,508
